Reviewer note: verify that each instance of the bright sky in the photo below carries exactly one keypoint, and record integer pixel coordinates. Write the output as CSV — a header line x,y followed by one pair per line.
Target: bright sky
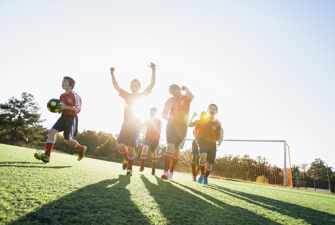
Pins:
x,y
268,65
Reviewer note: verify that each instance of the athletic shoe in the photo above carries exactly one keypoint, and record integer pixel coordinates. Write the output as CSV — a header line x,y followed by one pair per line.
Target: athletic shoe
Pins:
x,y
206,181
141,169
201,178
194,178
165,175
44,157
153,171
82,153
129,172
125,164
170,175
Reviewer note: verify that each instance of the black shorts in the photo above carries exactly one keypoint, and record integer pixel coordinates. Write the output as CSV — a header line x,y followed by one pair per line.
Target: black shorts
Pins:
x,y
176,134
209,148
130,133
153,144
68,124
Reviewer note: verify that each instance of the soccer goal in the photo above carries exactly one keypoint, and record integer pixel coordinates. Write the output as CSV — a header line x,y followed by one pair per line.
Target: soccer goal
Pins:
x,y
255,170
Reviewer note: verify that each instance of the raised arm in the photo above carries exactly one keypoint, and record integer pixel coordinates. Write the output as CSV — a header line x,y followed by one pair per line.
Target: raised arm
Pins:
x,y
191,120
115,84
153,77
189,95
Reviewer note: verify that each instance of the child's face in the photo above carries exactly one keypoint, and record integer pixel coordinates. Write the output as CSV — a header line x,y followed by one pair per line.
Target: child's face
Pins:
x,y
153,113
212,110
65,84
176,93
134,87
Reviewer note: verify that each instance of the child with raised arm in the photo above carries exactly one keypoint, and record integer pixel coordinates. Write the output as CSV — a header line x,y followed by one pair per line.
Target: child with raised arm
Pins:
x,y
195,150
151,140
130,129
68,122
176,112
209,133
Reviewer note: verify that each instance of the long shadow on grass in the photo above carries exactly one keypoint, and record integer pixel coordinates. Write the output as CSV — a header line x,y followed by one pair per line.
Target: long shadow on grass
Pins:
x,y
311,216
182,207
29,164
106,202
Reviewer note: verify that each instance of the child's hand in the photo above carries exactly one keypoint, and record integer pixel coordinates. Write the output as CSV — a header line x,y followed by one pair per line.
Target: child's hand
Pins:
x,y
61,107
183,88
152,66
112,69
195,114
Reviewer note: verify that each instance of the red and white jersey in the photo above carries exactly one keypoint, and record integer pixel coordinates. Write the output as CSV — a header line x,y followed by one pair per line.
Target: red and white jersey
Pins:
x,y
72,99
193,124
178,108
129,108
151,133
209,130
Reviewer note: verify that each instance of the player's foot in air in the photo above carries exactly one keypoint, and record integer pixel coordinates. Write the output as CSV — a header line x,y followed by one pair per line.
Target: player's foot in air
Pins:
x,y
82,153
194,178
165,175
153,171
170,175
125,164
44,157
129,172
141,169
201,178
206,181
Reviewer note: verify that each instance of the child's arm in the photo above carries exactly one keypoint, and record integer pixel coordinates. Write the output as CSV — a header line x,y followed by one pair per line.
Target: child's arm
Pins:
x,y
189,95
220,139
153,77
191,120
115,84
166,110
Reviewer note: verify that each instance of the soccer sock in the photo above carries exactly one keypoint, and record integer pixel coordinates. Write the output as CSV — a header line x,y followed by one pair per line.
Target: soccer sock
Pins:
x,y
167,161
194,166
78,146
143,158
208,171
125,154
131,160
154,161
202,168
48,146
174,161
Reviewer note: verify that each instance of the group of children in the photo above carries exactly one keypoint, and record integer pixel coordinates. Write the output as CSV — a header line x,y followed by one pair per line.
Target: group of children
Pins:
x,y
208,133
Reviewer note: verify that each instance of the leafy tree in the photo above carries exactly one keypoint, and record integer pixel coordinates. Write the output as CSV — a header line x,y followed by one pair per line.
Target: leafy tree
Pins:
x,y
19,119
320,170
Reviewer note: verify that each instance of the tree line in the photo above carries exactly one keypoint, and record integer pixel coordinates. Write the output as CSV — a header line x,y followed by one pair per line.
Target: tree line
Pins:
x,y
21,124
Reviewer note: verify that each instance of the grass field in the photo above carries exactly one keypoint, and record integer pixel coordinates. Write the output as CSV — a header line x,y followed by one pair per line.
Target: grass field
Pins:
x,y
92,191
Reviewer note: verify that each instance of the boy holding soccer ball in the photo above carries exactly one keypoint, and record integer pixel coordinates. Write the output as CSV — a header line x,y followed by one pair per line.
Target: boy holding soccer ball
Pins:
x,y
130,129
68,122
209,133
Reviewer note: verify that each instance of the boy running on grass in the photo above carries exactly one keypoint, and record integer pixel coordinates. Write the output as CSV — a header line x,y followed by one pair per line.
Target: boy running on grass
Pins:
x,y
68,122
195,151
130,129
176,112
208,134
151,140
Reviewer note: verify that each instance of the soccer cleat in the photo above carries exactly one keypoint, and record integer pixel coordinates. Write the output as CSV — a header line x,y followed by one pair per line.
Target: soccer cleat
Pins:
x,y
206,181
170,175
141,169
82,153
201,178
125,164
165,175
44,157
153,171
129,172
194,178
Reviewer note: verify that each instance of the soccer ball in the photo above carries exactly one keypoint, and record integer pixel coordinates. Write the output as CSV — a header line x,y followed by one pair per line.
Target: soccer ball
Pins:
x,y
52,105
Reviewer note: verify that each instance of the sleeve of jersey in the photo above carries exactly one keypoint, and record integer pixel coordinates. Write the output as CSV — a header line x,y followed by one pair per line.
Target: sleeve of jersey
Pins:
x,y
220,133
77,103
160,126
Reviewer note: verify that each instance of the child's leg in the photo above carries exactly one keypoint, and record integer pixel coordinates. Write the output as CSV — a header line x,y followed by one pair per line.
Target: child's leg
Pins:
x,y
50,141
202,163
144,154
74,144
208,169
154,159
123,150
174,159
131,157
168,156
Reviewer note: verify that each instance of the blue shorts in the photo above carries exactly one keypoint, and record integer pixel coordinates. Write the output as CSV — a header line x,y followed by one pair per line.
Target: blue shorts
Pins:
x,y
176,134
68,124
209,148
153,144
195,149
129,134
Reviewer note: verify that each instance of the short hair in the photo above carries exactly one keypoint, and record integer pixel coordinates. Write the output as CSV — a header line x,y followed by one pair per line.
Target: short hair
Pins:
x,y
135,80
173,88
71,81
217,108
154,109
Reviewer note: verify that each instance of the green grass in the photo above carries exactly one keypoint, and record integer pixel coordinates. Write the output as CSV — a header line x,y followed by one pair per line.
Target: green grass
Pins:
x,y
92,191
